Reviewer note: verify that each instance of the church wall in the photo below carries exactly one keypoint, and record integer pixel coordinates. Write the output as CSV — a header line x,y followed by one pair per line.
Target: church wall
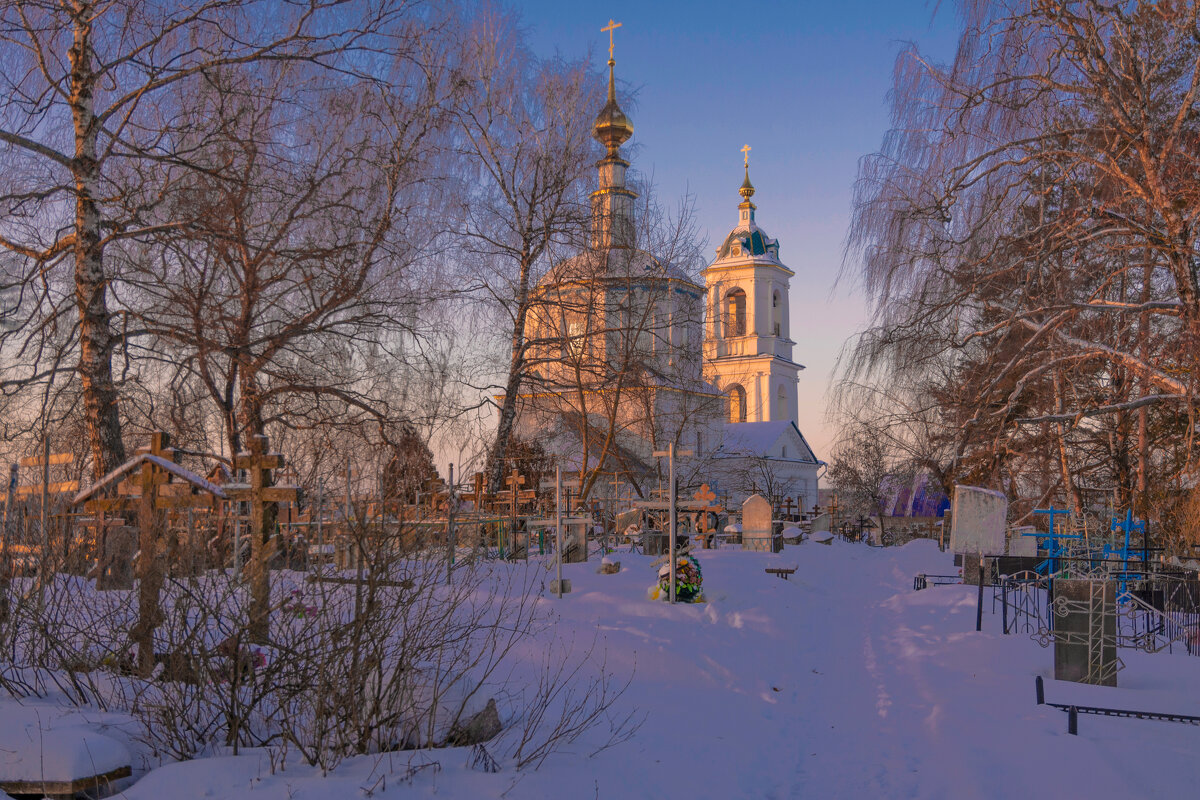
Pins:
x,y
740,477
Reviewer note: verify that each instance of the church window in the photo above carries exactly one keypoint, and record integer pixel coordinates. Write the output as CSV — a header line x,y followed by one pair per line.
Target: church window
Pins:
x,y
776,314
737,403
783,451
576,336
735,313
781,403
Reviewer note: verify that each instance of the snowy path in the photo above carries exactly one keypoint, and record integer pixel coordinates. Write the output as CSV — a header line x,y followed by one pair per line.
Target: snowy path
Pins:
x,y
839,683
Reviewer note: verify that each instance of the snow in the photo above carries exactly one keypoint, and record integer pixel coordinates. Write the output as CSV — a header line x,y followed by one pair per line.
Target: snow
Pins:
x,y
841,682
753,438
131,464
821,537
43,742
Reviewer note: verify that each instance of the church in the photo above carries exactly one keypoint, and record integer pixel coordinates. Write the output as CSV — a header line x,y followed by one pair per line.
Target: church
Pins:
x,y
630,352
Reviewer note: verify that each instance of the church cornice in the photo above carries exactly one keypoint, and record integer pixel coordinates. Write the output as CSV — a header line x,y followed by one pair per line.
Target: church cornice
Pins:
x,y
744,263
717,360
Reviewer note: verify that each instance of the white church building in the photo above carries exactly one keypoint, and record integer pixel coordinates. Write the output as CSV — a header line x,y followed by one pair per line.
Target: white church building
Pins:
x,y
712,371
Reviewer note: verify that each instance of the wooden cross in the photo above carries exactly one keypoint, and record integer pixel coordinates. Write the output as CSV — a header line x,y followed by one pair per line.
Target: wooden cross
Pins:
x,y
612,26
707,496
788,505
259,493
514,482
746,155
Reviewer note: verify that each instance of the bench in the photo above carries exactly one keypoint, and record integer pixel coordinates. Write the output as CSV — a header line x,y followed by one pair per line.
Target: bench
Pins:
x,y
781,572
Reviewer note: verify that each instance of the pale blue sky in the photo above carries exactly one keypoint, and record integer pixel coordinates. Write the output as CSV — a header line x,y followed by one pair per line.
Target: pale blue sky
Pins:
x,y
803,83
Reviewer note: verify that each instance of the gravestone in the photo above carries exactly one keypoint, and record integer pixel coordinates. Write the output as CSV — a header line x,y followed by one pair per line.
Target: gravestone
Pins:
x,y
977,526
574,542
978,521
757,529
1085,631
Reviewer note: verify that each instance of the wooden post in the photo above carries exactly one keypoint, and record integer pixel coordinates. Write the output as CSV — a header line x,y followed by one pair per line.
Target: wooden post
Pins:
x,y
5,569
451,502
149,564
260,494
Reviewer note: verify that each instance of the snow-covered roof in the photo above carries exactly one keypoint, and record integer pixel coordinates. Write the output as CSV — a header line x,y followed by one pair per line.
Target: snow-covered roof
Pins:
x,y
758,439
133,463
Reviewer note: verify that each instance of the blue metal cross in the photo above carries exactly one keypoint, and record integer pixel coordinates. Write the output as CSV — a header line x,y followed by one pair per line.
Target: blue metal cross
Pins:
x,y
1128,525
1054,548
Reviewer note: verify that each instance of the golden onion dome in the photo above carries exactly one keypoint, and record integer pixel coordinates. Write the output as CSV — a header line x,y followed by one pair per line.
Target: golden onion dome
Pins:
x,y
612,128
747,188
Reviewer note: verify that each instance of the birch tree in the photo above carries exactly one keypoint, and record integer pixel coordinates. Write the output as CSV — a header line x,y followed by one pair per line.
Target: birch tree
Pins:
x,y
524,133
82,93
1029,229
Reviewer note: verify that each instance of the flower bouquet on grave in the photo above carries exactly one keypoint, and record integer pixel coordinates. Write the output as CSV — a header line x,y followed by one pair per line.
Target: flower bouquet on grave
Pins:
x,y
688,579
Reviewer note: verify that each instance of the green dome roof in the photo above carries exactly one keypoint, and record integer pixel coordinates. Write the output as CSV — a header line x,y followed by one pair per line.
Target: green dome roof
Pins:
x,y
754,243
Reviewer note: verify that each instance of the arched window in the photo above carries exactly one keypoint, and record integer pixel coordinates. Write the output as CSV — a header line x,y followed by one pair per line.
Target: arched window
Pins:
x,y
776,314
781,403
737,403
735,313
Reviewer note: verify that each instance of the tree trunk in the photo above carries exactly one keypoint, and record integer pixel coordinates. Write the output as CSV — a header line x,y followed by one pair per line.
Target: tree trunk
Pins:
x,y
516,375
91,284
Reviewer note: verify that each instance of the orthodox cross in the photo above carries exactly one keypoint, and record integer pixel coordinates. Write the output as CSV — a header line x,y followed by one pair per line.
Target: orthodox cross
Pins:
x,y
612,26
259,494
746,155
707,496
1128,525
515,481
1054,546
788,505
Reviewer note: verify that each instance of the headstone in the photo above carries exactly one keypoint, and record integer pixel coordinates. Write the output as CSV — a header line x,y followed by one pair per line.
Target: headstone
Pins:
x,y
654,541
1085,631
575,550
978,521
1020,544
757,529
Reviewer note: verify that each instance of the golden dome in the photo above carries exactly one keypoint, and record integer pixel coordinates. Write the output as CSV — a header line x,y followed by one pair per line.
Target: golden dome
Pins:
x,y
747,188
612,128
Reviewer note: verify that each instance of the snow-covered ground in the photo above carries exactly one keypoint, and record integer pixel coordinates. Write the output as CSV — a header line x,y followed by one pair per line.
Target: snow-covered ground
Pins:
x,y
840,682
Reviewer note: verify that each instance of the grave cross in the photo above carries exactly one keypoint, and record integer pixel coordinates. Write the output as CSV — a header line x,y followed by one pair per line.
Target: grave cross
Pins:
x,y
1128,525
788,506
514,482
708,497
1054,548
477,494
260,494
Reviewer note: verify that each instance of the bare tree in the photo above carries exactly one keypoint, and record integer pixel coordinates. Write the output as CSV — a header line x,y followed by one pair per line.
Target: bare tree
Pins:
x,y
83,91
1027,234
523,130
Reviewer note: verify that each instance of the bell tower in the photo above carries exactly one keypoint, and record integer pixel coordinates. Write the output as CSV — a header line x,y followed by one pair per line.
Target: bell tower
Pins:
x,y
747,344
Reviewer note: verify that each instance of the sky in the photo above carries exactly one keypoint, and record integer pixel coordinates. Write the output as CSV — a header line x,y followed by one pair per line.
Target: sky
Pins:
x,y
803,83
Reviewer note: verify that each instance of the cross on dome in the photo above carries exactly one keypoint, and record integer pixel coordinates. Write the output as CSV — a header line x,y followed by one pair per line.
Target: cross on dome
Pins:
x,y
747,188
612,26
